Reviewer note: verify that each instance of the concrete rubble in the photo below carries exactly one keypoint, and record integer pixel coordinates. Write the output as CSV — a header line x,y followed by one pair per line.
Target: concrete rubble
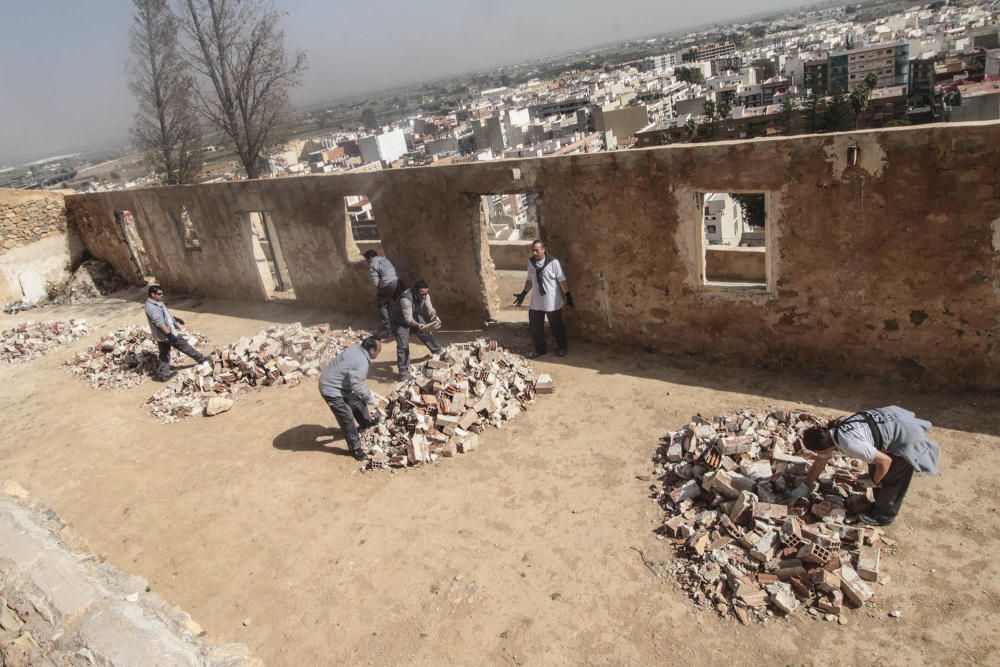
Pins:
x,y
451,399
30,339
751,538
279,355
125,357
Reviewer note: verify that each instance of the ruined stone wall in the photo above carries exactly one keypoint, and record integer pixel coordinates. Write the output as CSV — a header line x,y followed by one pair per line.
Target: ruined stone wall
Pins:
x,y
885,266
27,216
36,245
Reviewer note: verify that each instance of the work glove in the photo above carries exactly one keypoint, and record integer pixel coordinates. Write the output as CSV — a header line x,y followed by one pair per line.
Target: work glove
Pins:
x,y
519,297
568,298
179,321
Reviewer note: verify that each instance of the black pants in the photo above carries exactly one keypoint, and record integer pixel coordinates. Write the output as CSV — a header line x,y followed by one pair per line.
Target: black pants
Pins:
x,y
403,332
383,297
536,322
181,345
890,493
350,411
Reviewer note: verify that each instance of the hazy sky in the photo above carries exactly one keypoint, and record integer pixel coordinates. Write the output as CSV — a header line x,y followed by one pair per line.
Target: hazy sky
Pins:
x,y
62,62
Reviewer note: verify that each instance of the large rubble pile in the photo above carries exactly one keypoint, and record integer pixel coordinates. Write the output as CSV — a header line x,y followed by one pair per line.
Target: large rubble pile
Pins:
x,y
279,355
752,537
32,339
125,357
449,401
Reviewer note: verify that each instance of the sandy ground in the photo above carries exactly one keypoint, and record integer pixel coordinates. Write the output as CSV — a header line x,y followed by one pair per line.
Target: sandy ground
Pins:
x,y
257,523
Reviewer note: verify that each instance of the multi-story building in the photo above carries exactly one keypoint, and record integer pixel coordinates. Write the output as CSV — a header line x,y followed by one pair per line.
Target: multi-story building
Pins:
x,y
386,147
890,63
921,87
817,76
709,52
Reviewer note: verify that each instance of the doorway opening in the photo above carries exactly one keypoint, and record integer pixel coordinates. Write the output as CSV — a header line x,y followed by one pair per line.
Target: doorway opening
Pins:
x,y
271,265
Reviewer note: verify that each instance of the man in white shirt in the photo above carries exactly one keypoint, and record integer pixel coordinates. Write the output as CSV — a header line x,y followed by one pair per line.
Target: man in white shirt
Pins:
x,y
894,443
549,291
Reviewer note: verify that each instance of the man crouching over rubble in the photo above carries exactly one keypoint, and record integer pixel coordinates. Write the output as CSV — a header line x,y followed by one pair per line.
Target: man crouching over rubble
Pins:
x,y
342,386
891,440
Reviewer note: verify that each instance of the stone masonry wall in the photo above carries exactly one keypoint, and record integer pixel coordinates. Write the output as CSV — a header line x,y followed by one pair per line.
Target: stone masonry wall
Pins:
x,y
887,264
27,216
59,606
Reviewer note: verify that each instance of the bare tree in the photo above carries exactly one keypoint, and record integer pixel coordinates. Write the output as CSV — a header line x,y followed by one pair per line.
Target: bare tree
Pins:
x,y
165,128
237,49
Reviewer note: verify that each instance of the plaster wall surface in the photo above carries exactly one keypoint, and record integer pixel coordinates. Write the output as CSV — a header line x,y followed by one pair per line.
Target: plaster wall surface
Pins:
x,y
747,264
884,266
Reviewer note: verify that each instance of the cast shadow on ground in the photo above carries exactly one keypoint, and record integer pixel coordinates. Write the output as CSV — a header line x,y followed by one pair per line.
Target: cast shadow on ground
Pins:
x,y
312,438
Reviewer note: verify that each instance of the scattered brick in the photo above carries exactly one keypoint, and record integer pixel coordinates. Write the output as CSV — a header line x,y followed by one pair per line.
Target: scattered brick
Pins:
x,y
31,339
449,401
124,358
277,356
736,501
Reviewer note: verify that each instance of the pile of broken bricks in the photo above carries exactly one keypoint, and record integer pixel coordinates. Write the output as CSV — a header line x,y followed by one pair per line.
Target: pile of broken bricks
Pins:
x,y
124,358
30,339
449,401
279,355
751,537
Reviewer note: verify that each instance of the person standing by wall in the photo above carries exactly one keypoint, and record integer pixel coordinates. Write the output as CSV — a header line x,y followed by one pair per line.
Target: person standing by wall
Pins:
x,y
549,291
386,281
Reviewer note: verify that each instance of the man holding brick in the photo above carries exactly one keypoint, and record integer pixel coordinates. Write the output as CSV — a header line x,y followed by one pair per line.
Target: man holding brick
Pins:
x,y
894,443
549,291
342,386
414,313
163,325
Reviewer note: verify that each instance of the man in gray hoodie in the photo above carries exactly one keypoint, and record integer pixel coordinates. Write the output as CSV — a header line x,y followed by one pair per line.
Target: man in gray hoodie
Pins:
x,y
342,386
163,326
894,443
386,280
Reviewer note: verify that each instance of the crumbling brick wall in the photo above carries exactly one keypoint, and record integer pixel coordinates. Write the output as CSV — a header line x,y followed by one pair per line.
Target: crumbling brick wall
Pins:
x,y
883,246
27,216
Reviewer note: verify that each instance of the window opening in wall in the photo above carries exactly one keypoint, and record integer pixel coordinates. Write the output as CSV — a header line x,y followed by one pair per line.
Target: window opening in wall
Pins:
x,y
270,260
361,221
511,221
126,223
734,240
511,217
185,227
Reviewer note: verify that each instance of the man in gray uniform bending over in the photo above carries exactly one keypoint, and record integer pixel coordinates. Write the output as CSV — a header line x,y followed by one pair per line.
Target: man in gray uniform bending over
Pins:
x,y
163,326
386,280
891,440
413,313
342,386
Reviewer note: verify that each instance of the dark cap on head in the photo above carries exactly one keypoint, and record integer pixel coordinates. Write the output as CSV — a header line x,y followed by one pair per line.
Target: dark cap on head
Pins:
x,y
370,253
817,438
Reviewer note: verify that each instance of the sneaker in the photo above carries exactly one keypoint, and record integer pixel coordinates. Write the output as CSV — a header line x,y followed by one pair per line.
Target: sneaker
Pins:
x,y
875,519
561,353
359,455
535,354
168,377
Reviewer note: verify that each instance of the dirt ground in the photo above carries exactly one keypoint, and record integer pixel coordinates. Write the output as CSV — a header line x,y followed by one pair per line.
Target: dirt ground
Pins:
x,y
523,552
